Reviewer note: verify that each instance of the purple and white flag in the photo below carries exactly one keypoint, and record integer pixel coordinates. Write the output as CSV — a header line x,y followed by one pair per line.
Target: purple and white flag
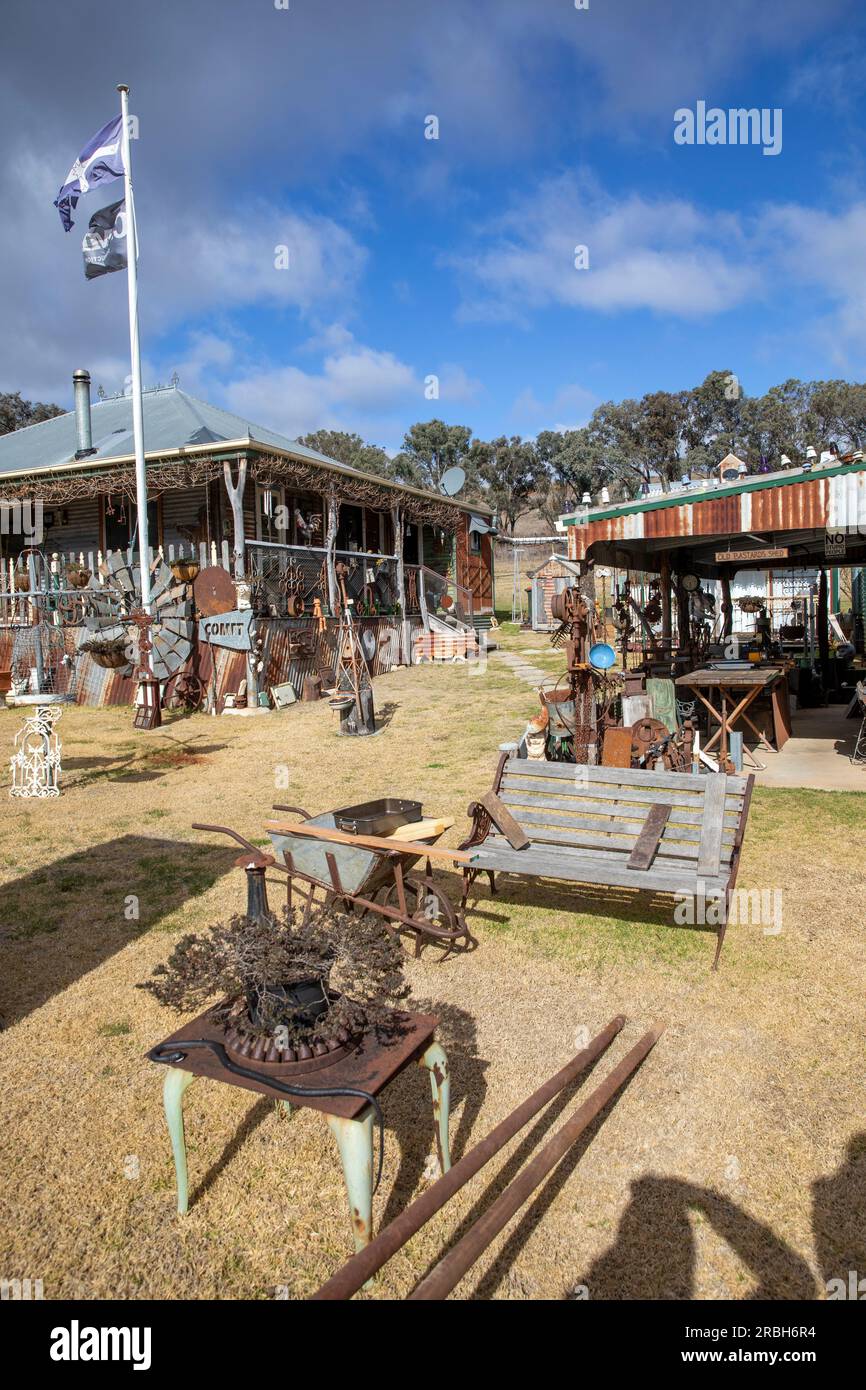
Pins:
x,y
99,161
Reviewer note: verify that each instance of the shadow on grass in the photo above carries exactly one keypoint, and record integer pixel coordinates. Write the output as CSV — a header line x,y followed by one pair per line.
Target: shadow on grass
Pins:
x,y
626,910
655,1252
64,919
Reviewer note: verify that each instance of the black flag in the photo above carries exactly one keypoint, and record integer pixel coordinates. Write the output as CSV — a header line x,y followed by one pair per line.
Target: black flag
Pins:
x,y
104,244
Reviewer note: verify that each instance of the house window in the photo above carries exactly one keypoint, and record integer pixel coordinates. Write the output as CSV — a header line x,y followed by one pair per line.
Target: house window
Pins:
x,y
474,543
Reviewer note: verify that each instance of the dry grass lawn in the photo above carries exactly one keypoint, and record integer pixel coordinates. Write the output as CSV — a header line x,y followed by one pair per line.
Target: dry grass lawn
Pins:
x,y
733,1165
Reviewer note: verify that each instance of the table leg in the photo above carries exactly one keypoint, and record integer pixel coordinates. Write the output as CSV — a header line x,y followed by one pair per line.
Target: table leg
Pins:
x,y
355,1142
176,1082
436,1062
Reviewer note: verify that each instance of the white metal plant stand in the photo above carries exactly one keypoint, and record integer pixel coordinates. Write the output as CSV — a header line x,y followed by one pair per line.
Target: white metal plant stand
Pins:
x,y
36,760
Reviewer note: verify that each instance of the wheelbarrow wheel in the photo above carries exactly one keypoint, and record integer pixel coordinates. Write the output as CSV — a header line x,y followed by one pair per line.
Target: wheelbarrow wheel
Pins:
x,y
430,914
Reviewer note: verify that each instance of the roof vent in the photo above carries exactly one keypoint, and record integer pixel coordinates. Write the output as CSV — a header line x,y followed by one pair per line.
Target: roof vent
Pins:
x,y
81,390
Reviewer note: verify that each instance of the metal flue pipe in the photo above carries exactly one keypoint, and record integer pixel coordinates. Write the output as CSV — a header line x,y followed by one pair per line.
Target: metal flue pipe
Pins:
x,y
363,1266
83,427
451,1268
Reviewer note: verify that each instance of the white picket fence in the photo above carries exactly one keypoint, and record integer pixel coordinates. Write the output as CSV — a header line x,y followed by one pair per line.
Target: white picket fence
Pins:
x,y
206,554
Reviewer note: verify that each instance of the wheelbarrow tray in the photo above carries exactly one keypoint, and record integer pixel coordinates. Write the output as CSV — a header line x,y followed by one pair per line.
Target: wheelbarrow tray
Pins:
x,y
362,871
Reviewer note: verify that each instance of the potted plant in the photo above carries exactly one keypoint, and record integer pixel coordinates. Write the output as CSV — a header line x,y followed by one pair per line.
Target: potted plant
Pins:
x,y
297,990
77,576
108,652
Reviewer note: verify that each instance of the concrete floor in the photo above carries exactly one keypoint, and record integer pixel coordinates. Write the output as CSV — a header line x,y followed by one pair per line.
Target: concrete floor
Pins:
x,y
817,755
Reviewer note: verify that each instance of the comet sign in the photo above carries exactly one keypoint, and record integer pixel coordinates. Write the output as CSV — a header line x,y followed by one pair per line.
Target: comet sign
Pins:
x,y
228,630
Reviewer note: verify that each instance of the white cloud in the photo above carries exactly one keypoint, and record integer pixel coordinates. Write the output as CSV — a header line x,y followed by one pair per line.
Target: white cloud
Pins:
x,y
661,255
359,388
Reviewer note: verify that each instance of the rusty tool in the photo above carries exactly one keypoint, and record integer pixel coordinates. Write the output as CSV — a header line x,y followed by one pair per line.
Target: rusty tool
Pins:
x,y
451,1268
363,1266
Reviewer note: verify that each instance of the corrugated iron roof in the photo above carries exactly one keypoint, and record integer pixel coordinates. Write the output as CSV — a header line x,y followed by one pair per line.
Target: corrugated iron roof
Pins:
x,y
831,499
173,420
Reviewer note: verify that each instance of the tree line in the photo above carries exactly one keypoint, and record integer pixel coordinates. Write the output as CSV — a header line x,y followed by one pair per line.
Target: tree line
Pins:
x,y
626,446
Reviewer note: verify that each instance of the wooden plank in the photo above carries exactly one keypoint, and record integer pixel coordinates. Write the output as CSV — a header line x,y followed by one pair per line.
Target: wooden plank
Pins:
x,y
525,806
688,800
617,840
319,832
502,817
648,840
525,767
711,835
421,829
629,824
665,878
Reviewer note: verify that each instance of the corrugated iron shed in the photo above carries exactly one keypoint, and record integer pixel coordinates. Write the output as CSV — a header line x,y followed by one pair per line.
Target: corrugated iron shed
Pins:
x,y
794,510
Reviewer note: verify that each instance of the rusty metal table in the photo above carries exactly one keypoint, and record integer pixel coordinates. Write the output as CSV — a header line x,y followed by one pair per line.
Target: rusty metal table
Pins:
x,y
738,689
371,1067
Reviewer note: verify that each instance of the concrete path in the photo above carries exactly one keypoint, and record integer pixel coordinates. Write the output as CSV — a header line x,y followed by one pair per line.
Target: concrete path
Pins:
x,y
818,755
521,668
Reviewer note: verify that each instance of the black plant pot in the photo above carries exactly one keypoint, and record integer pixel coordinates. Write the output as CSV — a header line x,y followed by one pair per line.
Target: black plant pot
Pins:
x,y
306,1000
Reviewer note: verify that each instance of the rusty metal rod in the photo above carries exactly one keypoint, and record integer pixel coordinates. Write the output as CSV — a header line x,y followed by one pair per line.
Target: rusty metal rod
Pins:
x,y
361,1267
451,1268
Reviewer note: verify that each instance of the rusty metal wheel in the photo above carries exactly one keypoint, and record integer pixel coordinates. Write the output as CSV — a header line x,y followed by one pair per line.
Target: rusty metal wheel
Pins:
x,y
186,692
430,914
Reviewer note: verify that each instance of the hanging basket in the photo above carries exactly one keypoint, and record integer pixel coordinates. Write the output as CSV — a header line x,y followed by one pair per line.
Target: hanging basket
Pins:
x,y
184,571
109,655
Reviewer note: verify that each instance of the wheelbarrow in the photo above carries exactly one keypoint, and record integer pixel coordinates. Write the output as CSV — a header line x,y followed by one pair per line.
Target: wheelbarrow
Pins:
x,y
365,873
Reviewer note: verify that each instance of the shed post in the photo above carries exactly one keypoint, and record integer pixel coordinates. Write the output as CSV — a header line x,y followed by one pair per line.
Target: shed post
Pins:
x,y
397,519
665,577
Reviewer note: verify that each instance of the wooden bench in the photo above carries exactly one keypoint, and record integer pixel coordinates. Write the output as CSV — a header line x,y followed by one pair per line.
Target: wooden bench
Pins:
x,y
665,832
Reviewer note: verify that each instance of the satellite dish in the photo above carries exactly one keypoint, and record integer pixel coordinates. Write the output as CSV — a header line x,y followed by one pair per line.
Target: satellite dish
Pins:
x,y
368,643
452,481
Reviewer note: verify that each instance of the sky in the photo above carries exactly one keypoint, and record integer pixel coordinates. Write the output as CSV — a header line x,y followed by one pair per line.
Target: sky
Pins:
x,y
445,265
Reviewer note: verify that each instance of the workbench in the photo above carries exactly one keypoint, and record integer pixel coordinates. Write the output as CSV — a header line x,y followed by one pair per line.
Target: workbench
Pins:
x,y
738,688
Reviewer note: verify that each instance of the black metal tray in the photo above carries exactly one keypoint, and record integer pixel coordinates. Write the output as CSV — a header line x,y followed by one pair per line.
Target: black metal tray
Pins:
x,y
377,817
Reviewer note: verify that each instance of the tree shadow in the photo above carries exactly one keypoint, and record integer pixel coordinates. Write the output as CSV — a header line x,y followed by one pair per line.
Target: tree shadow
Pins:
x,y
64,919
407,1102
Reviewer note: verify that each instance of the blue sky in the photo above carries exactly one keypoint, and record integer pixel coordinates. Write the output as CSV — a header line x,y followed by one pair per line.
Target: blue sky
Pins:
x,y
409,257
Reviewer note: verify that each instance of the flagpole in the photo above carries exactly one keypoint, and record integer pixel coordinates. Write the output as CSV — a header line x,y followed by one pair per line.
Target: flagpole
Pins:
x,y
135,355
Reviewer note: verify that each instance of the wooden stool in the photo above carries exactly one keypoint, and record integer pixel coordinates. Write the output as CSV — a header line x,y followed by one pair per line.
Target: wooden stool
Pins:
x,y
370,1068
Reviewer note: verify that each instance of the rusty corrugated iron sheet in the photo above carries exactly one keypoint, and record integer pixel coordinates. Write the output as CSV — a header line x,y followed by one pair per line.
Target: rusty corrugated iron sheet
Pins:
x,y
813,503
96,686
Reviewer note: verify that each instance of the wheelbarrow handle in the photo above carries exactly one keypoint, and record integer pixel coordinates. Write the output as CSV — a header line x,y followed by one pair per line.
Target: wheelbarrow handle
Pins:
x,y
233,834
298,810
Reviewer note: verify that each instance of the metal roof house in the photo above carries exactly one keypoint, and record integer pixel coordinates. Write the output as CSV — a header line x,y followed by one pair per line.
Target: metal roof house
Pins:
x,y
80,465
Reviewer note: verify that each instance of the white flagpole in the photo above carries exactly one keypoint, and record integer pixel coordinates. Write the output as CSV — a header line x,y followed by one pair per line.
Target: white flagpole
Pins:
x,y
137,412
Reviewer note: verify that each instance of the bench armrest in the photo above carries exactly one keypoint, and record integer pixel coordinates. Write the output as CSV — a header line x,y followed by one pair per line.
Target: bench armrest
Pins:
x,y
481,823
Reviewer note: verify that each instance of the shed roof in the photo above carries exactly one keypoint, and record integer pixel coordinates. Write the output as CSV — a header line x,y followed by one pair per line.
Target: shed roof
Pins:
x,y
789,508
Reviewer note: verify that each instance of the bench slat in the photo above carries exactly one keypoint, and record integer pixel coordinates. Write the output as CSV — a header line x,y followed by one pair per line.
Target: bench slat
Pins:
x,y
689,800
664,878
618,842
711,833
674,781
561,813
